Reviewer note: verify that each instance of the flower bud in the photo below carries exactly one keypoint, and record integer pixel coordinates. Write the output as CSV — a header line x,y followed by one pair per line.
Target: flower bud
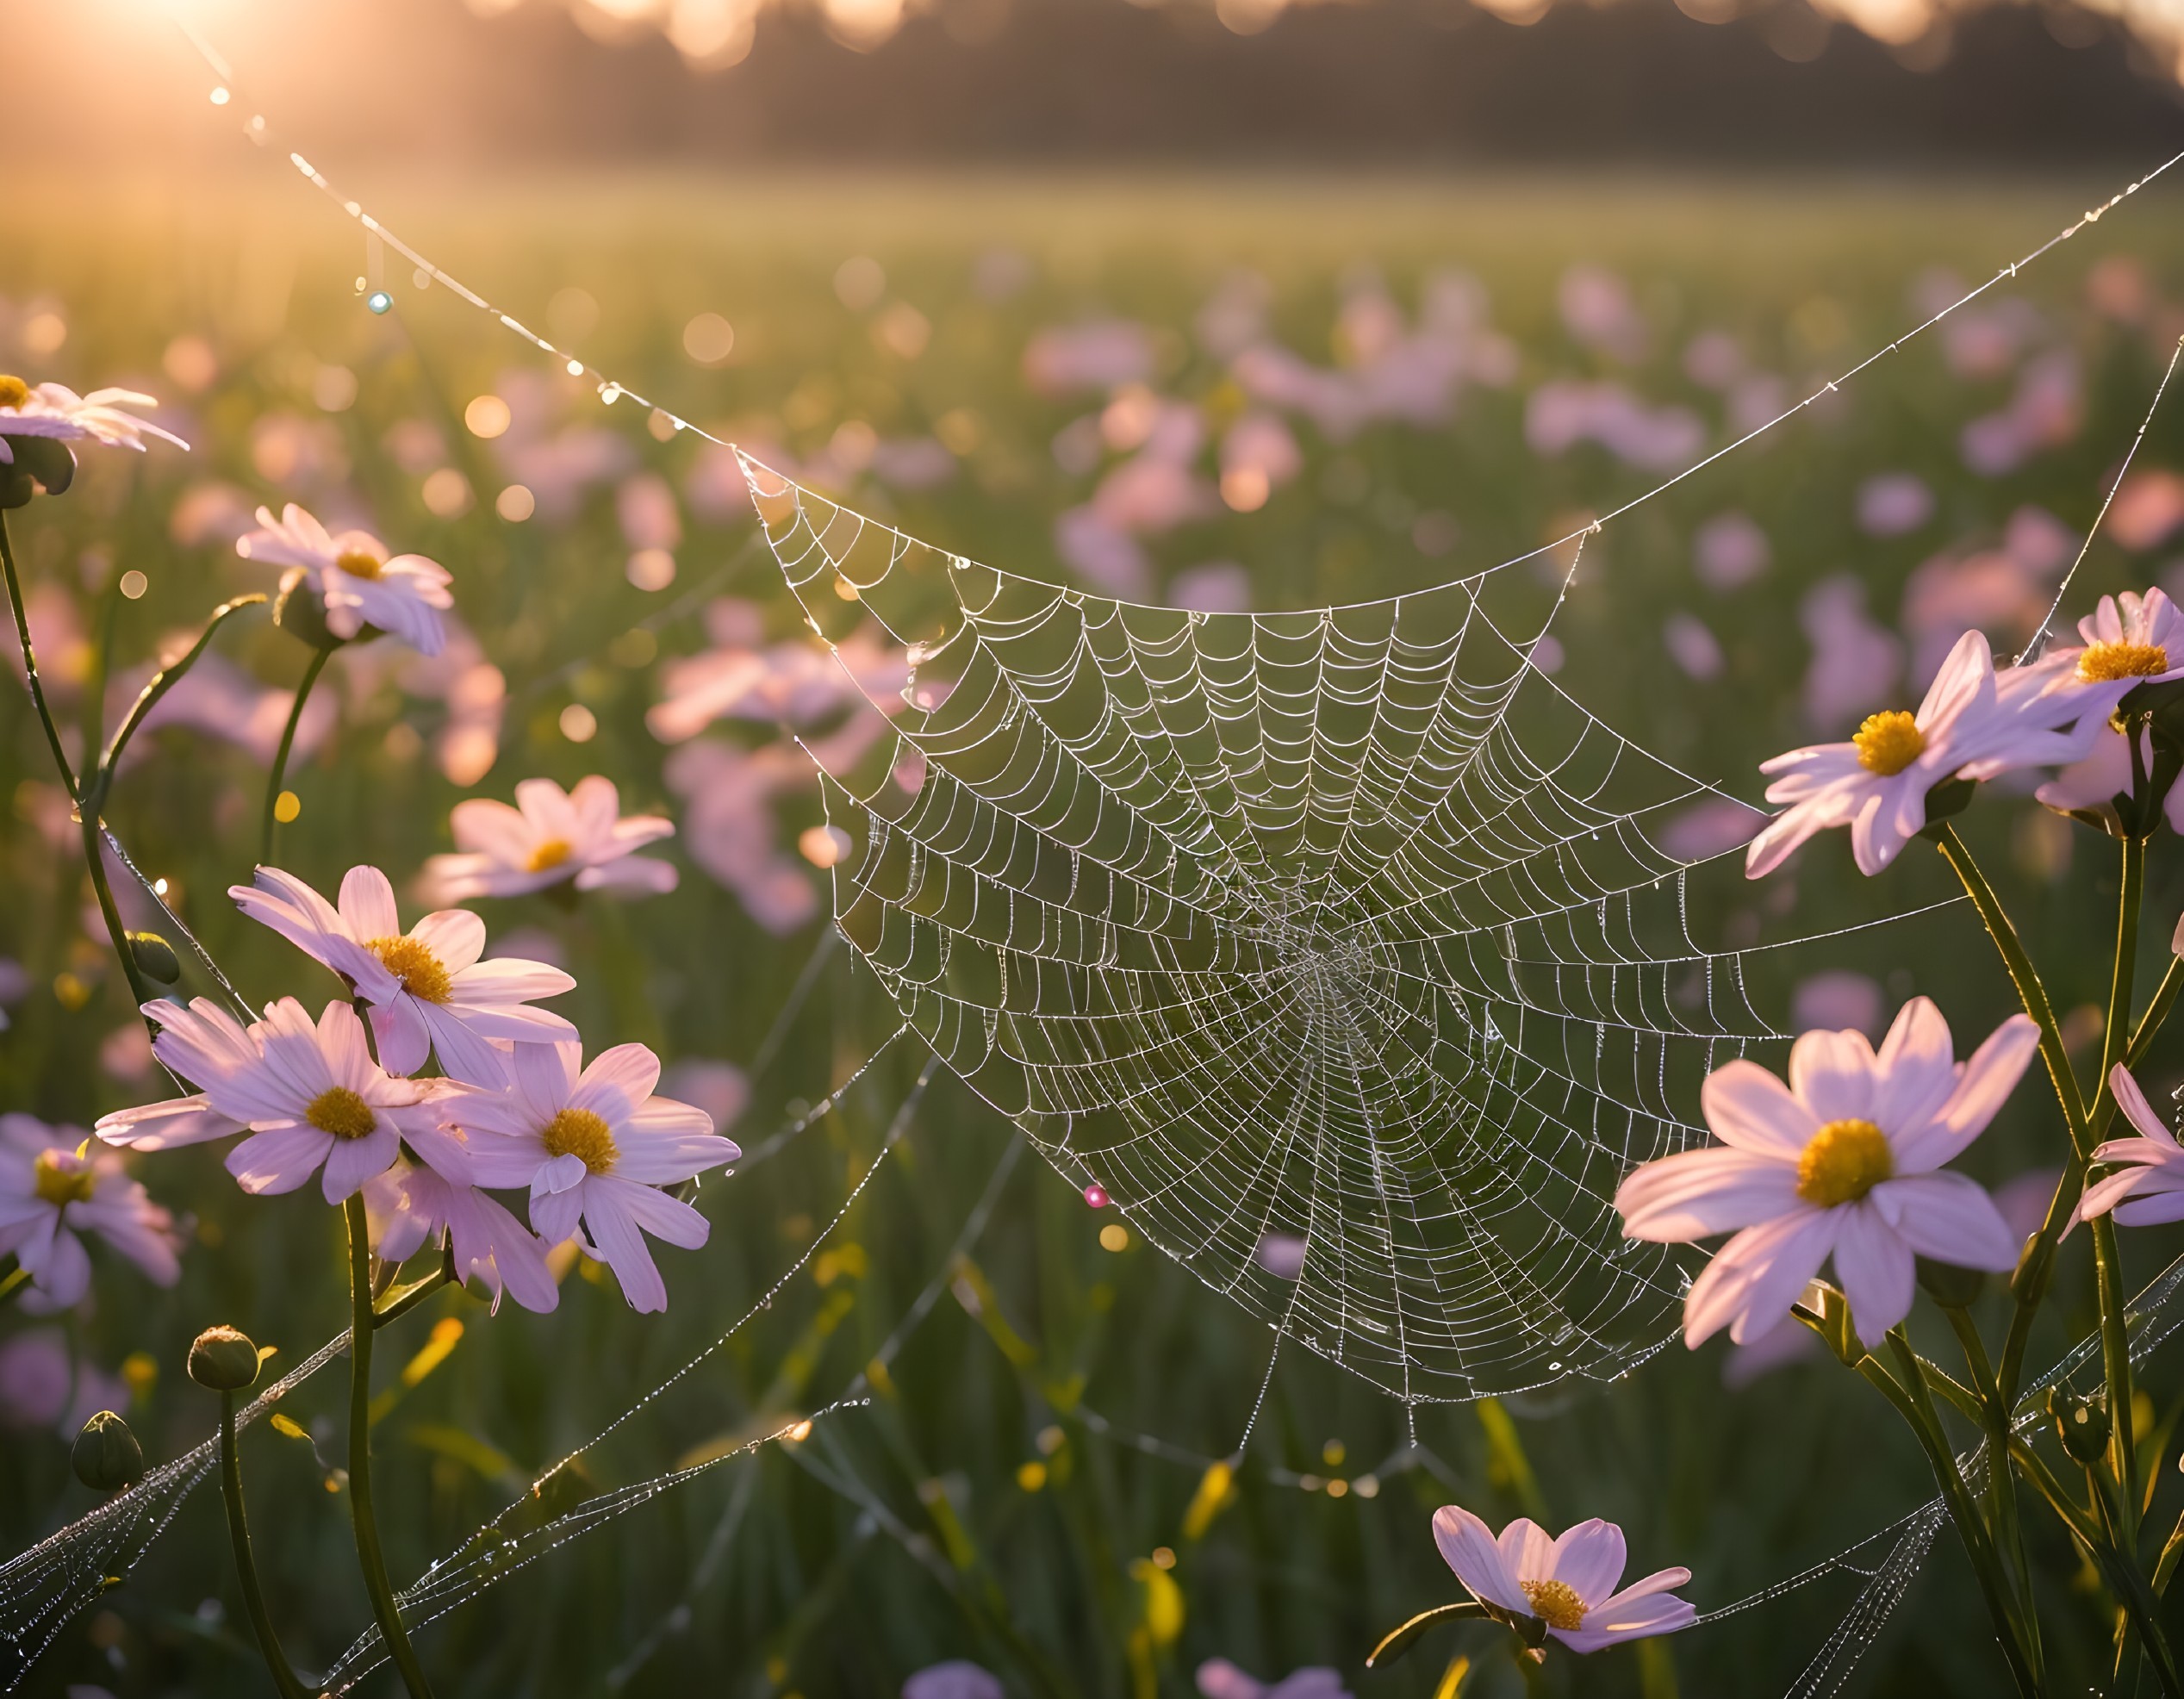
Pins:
x,y
107,1457
155,957
224,1360
2081,1423
1951,1287
42,464
300,611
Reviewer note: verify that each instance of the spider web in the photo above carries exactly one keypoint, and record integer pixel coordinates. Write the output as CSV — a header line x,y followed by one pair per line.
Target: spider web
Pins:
x,y
1346,929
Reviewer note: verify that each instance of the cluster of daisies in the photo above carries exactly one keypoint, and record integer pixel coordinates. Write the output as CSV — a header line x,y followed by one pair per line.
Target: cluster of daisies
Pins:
x,y
513,1106
1844,1162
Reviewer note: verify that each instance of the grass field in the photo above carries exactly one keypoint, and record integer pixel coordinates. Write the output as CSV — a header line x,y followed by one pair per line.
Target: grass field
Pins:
x,y
1048,1426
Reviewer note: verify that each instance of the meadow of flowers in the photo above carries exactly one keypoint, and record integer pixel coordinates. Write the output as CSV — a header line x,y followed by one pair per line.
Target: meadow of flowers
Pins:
x,y
487,793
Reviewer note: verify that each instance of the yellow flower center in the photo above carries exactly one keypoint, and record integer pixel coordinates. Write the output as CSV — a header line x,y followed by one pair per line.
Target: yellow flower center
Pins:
x,y
578,1132
550,854
358,562
1555,1603
14,392
2103,661
1888,743
59,1181
421,972
340,1111
1844,1161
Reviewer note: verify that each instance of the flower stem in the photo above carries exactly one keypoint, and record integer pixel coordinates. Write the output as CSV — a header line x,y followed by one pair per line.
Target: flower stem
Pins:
x,y
280,755
1994,1419
1909,1396
261,1620
2115,1340
16,1278
360,1510
30,660
2140,1603
2031,992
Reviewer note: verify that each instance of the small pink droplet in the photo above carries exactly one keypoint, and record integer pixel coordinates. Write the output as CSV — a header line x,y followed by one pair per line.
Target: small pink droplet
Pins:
x,y
1096,1197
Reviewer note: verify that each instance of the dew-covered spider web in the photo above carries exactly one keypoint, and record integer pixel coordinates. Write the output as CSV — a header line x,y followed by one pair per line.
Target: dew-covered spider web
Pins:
x,y
1348,931
1344,949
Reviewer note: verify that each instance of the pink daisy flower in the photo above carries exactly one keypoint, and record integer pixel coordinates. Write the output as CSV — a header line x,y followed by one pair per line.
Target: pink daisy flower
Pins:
x,y
49,1192
311,1097
550,837
592,1144
2147,1187
55,410
1569,1584
361,584
1840,1162
1974,724
428,989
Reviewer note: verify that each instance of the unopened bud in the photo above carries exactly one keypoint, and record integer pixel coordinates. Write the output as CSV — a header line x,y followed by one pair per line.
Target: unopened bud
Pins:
x,y
223,1359
1951,1287
107,1457
2081,1424
41,465
300,611
155,957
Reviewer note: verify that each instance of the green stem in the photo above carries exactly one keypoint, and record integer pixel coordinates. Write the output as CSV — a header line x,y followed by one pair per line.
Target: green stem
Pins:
x,y
1912,1402
360,1508
141,990
30,659
2118,1568
1994,1420
2031,992
16,1278
160,682
2115,1340
261,1620
280,755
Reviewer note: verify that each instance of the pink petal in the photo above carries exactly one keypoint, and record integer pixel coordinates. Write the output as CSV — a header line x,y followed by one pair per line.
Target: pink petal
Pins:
x,y
1699,1192
617,1081
622,1247
2132,1101
1876,1272
1948,1217
455,936
279,1161
1916,1069
368,904
1748,1107
668,1219
1985,1085
1755,1278
1833,1075
1467,1546
404,1034
1589,1558
354,1161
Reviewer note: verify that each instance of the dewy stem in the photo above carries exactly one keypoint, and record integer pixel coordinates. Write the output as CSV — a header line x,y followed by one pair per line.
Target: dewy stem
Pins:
x,y
30,659
261,1620
360,1510
1913,1404
280,755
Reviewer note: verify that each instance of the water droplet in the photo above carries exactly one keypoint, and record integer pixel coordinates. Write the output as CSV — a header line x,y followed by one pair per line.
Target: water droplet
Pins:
x,y
1096,1196
380,302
